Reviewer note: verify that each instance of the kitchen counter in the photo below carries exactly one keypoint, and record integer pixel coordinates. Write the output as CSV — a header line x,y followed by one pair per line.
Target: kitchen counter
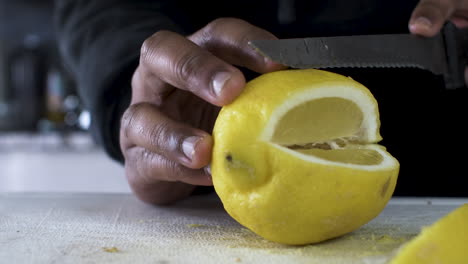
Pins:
x,y
118,228
57,163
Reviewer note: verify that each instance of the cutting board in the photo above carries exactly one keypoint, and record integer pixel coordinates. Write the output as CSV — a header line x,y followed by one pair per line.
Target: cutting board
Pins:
x,y
118,228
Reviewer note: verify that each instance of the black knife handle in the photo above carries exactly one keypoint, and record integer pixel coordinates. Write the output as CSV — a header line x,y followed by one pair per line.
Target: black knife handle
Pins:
x,y
456,47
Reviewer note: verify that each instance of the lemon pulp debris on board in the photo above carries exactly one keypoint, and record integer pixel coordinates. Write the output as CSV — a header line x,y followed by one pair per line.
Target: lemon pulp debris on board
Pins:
x,y
195,225
296,158
111,249
445,241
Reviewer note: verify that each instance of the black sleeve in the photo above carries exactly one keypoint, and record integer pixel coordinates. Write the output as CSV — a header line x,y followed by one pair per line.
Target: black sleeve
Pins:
x,y
100,44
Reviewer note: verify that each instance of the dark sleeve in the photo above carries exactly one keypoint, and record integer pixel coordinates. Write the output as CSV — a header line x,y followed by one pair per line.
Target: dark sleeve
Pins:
x,y
100,44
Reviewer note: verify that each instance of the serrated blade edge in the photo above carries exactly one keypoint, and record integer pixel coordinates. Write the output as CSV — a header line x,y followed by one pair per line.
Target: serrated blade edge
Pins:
x,y
378,51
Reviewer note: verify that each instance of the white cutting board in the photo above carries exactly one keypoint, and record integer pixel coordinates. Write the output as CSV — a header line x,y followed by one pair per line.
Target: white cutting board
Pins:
x,y
82,228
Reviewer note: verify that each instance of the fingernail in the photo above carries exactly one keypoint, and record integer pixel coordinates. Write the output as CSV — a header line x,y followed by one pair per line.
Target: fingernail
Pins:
x,y
208,169
267,61
422,22
188,146
219,81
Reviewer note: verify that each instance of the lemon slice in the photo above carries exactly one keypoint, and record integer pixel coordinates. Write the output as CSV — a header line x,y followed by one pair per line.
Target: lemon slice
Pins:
x,y
445,241
296,158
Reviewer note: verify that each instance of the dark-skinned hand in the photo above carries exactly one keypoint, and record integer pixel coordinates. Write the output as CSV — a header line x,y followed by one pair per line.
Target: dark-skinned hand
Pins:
x,y
429,17
177,91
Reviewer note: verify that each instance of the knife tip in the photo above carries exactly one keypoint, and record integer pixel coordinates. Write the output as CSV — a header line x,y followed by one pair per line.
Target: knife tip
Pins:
x,y
258,50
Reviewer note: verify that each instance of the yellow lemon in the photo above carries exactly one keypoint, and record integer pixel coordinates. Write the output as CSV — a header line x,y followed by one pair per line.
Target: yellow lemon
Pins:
x,y
295,157
445,241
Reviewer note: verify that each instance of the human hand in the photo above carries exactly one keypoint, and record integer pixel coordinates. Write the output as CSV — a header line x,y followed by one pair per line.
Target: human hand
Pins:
x,y
429,16
177,90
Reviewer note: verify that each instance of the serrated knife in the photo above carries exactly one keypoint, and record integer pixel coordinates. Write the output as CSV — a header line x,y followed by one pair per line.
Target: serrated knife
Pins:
x,y
445,54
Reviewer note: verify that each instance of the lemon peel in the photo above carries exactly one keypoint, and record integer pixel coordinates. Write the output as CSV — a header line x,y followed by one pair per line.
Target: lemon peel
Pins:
x,y
296,157
445,241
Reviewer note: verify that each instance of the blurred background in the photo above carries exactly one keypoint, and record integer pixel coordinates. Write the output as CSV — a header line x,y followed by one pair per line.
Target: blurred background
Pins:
x,y
44,139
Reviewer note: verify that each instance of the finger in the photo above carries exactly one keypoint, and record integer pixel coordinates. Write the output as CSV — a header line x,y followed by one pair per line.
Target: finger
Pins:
x,y
429,16
154,183
146,87
460,20
145,126
228,39
180,62
150,190
162,193
149,169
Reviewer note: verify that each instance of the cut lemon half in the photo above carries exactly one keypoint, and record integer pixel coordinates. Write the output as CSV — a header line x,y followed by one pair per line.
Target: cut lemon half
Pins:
x,y
296,158
445,241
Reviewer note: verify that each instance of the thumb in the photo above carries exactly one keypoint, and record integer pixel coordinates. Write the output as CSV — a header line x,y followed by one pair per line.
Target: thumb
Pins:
x,y
429,16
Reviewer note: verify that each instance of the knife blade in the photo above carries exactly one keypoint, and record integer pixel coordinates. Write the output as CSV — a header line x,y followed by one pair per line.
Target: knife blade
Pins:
x,y
444,54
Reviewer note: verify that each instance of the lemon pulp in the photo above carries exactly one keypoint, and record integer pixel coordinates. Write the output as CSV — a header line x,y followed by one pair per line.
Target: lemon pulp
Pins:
x,y
296,158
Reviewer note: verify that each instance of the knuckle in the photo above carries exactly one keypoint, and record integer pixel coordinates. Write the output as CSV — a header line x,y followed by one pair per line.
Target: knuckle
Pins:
x,y
128,119
246,37
210,34
147,51
162,169
213,27
133,166
131,121
136,78
219,26
150,47
214,34
188,65
159,136
149,168
221,23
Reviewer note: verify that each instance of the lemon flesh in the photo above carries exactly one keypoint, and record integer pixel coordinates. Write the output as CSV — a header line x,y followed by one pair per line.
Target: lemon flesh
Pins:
x,y
296,158
445,241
